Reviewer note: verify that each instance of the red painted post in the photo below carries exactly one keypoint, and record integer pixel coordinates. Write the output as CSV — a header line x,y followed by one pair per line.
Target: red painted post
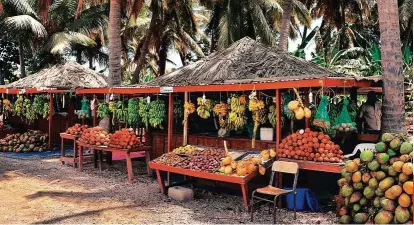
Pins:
x,y
185,127
170,121
278,120
50,119
306,102
95,106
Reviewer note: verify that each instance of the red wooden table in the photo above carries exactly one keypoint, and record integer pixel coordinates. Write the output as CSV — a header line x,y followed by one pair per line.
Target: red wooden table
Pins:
x,y
243,181
68,159
317,166
127,152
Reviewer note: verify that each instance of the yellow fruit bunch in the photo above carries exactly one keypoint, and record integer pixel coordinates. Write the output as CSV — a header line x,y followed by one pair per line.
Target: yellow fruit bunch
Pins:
x,y
7,104
220,109
255,104
189,108
268,153
242,167
298,108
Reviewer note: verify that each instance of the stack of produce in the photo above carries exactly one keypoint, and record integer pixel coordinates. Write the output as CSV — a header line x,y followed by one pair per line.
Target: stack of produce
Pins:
x,y
242,167
95,136
204,107
31,141
186,150
345,127
310,145
124,138
77,129
208,160
378,188
169,159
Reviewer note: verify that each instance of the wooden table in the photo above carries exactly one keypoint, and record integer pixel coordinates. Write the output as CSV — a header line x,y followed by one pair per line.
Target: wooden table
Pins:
x,y
127,153
243,181
317,166
68,159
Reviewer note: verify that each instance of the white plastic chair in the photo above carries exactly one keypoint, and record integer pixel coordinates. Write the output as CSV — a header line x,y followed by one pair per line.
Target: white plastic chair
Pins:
x,y
361,147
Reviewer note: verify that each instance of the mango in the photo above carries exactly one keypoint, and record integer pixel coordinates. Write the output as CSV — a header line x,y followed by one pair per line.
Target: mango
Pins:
x,y
386,183
380,147
346,190
351,166
388,204
343,211
387,137
360,218
391,153
356,177
373,183
358,186
377,202
407,168
383,217
402,177
356,207
395,144
380,175
384,167
355,197
393,160
373,165
382,158
345,219
391,171
405,158
408,187
406,148
366,177
395,190
404,200
364,201
379,192
367,156
369,192
398,166
341,182
402,215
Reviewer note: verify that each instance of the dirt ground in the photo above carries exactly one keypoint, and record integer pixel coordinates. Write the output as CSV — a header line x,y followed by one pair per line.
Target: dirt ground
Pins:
x,y
43,191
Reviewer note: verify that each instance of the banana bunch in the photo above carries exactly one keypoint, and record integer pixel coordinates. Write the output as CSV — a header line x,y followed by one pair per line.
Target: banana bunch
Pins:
x,y
222,122
156,113
189,108
143,108
237,105
220,109
235,121
7,105
38,102
18,106
262,116
111,106
272,115
46,110
30,112
255,104
133,116
178,109
243,99
103,110
204,107
26,105
120,113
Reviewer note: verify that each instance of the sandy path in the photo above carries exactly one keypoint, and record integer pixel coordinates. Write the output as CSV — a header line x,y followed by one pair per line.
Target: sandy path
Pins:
x,y
42,191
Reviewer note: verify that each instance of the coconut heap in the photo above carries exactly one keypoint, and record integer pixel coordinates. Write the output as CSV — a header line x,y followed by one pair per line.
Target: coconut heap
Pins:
x,y
378,186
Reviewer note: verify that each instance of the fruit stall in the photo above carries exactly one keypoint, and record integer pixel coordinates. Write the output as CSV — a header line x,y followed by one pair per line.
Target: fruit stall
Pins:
x,y
305,112
44,104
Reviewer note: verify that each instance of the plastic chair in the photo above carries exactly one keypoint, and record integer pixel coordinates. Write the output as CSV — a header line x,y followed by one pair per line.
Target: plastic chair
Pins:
x,y
361,147
273,192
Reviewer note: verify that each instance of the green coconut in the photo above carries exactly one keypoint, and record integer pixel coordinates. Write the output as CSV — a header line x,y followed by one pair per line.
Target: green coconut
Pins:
x,y
406,148
367,156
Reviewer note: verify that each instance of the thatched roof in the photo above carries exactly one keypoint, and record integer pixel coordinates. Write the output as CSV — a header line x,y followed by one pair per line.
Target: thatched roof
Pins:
x,y
245,61
69,76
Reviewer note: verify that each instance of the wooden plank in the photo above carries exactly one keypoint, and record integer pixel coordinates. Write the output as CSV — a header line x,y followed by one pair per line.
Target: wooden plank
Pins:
x,y
316,166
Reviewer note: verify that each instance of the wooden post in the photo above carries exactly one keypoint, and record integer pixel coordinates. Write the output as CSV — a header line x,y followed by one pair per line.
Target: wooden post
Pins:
x,y
278,120
306,103
50,119
185,125
95,112
170,121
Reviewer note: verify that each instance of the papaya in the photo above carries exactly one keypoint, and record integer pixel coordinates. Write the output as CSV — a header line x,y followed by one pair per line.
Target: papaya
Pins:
x,y
388,204
369,192
373,165
308,113
345,219
386,183
395,144
346,190
398,166
383,217
380,147
406,148
404,200
355,197
373,183
356,177
407,168
408,187
402,215
382,158
387,137
360,218
367,156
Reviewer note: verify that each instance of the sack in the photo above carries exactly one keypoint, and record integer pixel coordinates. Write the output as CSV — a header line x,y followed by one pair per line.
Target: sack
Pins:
x,y
344,123
321,118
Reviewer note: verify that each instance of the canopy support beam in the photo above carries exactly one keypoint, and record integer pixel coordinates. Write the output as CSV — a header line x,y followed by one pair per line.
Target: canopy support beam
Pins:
x,y
50,119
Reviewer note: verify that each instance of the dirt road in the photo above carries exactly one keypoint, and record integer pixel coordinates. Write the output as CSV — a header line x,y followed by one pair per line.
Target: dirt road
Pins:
x,y
43,191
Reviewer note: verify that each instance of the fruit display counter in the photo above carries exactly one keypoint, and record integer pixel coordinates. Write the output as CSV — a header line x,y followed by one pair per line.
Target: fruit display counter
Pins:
x,y
212,164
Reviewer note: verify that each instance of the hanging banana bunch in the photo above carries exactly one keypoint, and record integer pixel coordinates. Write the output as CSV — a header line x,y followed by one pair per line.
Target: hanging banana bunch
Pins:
x,y
156,113
133,116
38,104
143,108
236,117
255,106
121,113
178,109
272,115
204,107
18,106
103,110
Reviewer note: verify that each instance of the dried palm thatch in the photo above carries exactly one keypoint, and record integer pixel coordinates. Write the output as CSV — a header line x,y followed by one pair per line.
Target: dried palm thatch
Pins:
x,y
69,76
245,61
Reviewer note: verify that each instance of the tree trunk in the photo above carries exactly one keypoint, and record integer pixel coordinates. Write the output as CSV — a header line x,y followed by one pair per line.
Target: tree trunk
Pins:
x,y
163,56
393,112
79,56
284,29
114,43
90,60
21,58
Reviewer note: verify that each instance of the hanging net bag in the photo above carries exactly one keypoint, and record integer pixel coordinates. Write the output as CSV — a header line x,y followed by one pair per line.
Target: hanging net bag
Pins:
x,y
84,111
321,119
344,123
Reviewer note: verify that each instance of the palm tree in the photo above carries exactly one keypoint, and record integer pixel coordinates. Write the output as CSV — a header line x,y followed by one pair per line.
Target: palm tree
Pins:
x,y
284,30
393,112
19,18
114,32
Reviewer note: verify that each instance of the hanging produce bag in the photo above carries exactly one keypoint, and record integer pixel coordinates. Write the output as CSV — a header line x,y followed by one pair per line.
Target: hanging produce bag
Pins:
x,y
344,123
84,111
322,117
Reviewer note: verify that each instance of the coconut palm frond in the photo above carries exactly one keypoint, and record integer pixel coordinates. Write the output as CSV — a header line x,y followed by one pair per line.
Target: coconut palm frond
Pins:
x,y
272,5
61,42
192,43
347,54
91,19
302,13
79,38
405,11
261,26
135,8
21,6
224,39
25,23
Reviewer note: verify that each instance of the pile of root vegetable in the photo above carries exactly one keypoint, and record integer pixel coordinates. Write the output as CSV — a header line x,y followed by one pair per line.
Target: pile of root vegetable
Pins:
x,y
377,187
310,145
95,136
124,138
76,129
31,141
